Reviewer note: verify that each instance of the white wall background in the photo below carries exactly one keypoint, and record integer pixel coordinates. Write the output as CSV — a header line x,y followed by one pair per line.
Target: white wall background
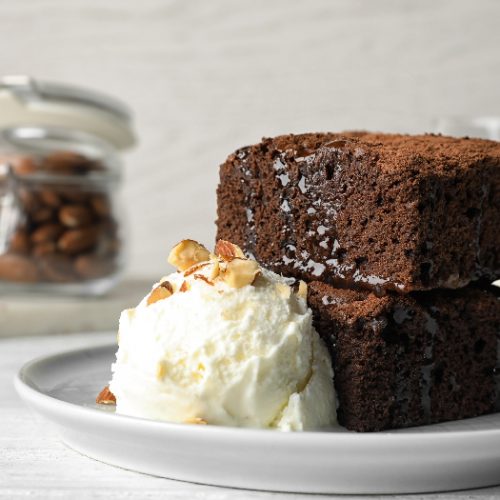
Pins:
x,y
205,77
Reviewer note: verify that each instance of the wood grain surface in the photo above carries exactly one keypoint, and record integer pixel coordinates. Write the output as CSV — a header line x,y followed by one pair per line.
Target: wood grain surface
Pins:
x,y
207,77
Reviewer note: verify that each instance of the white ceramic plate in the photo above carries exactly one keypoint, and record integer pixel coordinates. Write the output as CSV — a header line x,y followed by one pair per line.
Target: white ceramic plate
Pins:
x,y
456,455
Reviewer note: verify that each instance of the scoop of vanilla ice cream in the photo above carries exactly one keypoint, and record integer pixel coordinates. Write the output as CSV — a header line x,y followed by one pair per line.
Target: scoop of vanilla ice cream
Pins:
x,y
212,353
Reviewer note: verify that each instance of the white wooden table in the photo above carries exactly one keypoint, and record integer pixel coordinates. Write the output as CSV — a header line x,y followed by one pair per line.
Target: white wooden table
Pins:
x,y
35,464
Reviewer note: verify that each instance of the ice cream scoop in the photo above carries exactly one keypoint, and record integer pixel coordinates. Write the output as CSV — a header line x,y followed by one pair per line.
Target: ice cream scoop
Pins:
x,y
225,342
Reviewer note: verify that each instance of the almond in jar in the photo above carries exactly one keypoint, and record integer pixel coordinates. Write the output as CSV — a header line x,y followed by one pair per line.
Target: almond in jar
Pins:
x,y
61,225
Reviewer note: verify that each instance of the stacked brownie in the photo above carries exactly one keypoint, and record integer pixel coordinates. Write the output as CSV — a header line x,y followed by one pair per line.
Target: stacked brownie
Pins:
x,y
398,237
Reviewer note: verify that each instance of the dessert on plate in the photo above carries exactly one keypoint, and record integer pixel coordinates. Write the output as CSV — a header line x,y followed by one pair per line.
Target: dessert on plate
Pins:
x,y
398,238
222,341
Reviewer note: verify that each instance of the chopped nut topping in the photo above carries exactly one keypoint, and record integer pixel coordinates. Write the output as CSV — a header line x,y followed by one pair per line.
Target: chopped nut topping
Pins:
x,y
302,291
196,421
215,269
187,253
160,370
166,284
106,397
228,251
284,290
240,272
203,278
195,268
184,287
162,291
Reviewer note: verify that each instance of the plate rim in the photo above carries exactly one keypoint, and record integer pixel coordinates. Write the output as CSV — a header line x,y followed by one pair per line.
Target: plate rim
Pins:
x,y
326,437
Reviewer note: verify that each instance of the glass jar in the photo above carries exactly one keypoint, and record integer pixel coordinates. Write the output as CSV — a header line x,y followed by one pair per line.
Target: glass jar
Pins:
x,y
61,227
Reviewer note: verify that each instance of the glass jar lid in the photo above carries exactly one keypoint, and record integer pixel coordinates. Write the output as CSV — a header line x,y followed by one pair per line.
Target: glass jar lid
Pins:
x,y
25,101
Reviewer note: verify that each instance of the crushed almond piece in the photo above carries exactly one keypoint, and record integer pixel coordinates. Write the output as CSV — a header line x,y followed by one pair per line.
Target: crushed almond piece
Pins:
x,y
160,370
302,291
228,251
106,397
187,253
162,291
195,268
284,290
203,278
184,287
240,272
196,421
215,269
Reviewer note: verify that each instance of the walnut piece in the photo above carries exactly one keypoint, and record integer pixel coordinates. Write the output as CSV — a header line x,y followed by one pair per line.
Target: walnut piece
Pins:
x,y
187,253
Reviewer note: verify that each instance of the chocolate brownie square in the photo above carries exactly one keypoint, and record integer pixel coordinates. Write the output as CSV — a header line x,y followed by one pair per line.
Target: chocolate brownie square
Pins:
x,y
410,359
377,211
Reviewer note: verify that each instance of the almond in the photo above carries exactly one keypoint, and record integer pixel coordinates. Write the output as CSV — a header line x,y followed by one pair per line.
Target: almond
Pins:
x,y
43,214
302,291
196,421
161,370
283,290
240,272
45,248
228,251
75,216
22,165
74,195
215,269
75,241
203,278
29,200
19,242
184,287
187,253
46,232
162,291
195,268
18,268
106,397
49,198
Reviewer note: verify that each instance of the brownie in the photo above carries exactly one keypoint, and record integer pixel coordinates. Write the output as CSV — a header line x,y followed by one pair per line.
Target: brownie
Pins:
x,y
410,359
375,211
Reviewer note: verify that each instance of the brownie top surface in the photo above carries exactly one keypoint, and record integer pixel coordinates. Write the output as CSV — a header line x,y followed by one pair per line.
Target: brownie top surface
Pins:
x,y
391,152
